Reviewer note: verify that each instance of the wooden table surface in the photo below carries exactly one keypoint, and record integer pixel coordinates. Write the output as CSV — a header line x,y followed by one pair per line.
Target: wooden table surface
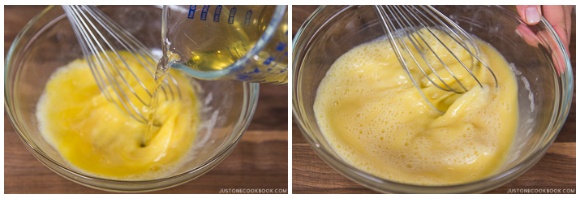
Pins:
x,y
259,161
557,169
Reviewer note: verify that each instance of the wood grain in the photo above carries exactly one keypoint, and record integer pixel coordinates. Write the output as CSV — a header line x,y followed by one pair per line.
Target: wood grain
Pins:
x,y
259,161
557,169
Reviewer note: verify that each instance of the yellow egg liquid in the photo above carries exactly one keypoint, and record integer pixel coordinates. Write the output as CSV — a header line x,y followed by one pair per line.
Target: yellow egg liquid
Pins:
x,y
375,119
98,138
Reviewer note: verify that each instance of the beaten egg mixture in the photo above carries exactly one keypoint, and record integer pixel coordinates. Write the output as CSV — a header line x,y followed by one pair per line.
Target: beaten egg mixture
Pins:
x,y
373,116
97,137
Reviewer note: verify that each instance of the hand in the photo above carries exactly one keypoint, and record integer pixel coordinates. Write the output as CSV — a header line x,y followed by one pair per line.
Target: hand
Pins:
x,y
560,17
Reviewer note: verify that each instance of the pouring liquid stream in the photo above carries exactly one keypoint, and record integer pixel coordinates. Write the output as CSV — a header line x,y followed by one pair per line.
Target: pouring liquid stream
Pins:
x,y
161,72
204,61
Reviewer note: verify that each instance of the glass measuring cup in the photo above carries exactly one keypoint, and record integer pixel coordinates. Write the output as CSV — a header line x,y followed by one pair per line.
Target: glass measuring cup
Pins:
x,y
246,43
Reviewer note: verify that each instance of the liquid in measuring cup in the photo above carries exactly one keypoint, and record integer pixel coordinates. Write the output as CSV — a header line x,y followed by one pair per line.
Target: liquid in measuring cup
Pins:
x,y
246,43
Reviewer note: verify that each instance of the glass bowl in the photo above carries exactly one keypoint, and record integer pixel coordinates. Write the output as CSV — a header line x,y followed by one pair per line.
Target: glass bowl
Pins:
x,y
544,96
48,42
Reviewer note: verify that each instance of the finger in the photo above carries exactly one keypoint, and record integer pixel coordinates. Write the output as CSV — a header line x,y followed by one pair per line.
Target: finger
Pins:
x,y
568,15
527,34
530,14
560,21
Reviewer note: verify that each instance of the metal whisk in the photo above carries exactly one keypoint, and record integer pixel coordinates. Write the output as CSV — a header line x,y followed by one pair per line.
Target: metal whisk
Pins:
x,y
408,29
96,34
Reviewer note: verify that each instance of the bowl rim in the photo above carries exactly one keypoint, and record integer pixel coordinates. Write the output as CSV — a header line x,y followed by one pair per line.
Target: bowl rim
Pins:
x,y
384,185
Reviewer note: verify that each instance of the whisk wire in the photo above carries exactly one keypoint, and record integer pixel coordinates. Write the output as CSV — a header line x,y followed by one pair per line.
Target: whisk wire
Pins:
x,y
390,29
435,54
122,38
81,34
459,40
97,33
435,14
422,28
142,56
422,45
89,45
91,35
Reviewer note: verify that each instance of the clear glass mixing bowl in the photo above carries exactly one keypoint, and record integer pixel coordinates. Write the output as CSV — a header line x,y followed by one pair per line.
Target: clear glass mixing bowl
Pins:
x,y
544,97
48,42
